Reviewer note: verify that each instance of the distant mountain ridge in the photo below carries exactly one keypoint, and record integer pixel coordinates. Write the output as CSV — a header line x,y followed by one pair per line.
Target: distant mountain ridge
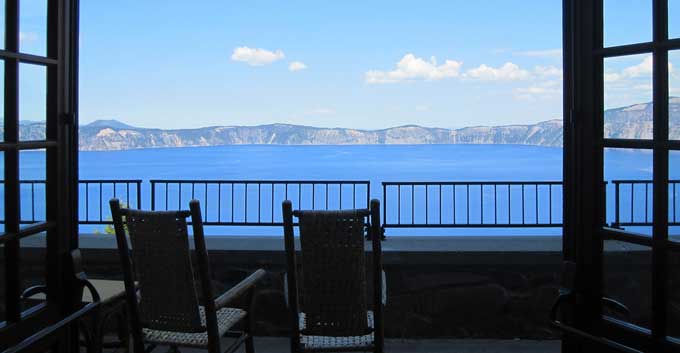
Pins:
x,y
106,135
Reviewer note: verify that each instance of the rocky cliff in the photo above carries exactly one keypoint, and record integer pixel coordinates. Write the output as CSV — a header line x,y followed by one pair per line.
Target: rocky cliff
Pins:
x,y
627,122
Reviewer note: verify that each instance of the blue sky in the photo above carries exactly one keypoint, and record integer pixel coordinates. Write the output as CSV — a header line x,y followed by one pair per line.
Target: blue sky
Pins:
x,y
364,64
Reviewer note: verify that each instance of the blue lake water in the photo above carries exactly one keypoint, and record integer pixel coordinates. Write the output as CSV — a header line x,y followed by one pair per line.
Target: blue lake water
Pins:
x,y
374,163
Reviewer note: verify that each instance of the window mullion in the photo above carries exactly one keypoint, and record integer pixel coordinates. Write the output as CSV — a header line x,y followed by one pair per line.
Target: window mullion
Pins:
x,y
11,173
660,131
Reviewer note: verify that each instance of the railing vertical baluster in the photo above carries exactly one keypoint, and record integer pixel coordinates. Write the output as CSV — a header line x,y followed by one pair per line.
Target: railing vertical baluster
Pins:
x,y
481,203
440,203
232,202
259,200
550,203
193,190
299,196
100,202
673,199
326,195
219,202
340,195
206,201
245,209
127,194
313,196
646,199
384,205
33,202
495,204
354,195
509,206
454,203
87,201
427,205
467,191
179,200
523,204
368,195
272,202
413,193
632,199
138,185
536,198
399,204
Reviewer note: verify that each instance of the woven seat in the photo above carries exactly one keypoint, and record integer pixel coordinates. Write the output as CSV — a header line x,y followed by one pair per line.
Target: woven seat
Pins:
x,y
331,309
166,307
226,319
336,342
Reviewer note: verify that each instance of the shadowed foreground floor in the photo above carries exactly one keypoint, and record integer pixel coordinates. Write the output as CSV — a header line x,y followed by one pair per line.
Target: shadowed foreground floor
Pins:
x,y
280,345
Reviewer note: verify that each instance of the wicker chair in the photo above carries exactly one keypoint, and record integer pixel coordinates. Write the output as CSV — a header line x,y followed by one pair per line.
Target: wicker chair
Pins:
x,y
166,309
329,303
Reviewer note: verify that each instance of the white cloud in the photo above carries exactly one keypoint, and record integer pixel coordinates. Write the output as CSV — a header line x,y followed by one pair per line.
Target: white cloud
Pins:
x,y
256,56
642,70
545,53
296,66
547,71
507,72
411,68
539,90
28,36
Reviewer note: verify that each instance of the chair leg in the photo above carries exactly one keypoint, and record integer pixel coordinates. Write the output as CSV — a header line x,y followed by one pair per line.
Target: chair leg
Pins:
x,y
250,322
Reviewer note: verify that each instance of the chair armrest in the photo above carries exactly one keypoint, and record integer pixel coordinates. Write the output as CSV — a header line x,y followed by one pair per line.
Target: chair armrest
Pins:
x,y
31,291
239,289
90,287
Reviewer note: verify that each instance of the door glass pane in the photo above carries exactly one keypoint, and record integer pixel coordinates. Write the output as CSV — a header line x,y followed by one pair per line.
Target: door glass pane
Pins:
x,y
32,266
627,279
2,193
674,195
2,98
674,294
33,24
627,22
673,19
674,93
32,190
2,24
32,102
3,315
628,174
628,97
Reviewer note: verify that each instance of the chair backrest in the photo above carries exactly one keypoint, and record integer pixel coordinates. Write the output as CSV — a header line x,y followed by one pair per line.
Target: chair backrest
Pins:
x,y
161,259
333,267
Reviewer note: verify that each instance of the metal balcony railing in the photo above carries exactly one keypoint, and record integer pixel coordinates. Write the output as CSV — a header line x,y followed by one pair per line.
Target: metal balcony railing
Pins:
x,y
406,204
464,204
257,202
94,199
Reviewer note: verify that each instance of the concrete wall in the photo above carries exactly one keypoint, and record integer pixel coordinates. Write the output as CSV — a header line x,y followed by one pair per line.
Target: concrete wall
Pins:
x,y
477,287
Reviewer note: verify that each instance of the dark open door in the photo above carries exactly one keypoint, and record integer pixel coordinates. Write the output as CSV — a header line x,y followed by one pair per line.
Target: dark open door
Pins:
x,y
38,56
589,235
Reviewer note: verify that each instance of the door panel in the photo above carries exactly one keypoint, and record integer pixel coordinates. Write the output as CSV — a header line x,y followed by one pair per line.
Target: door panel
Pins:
x,y
39,162
618,58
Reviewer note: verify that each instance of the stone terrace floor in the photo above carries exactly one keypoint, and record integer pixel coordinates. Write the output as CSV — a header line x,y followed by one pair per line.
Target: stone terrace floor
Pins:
x,y
280,345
